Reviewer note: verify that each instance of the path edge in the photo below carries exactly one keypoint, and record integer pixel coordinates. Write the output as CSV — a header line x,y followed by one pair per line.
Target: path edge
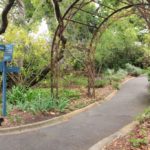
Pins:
x,y
108,140
56,120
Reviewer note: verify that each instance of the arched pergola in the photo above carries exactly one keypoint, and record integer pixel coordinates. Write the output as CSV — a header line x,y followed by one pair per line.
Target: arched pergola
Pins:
x,y
59,40
142,7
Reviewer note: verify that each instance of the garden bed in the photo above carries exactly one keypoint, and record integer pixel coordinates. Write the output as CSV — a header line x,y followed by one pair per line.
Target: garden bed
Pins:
x,y
78,100
137,139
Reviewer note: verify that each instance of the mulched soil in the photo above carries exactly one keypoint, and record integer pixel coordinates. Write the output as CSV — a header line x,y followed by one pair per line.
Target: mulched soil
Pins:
x,y
18,117
138,139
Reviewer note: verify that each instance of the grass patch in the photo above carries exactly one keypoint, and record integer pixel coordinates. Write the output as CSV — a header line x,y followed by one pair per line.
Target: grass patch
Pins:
x,y
75,80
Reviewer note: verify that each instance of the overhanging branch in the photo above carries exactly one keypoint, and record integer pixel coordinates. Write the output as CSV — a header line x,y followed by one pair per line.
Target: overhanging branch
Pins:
x,y
5,12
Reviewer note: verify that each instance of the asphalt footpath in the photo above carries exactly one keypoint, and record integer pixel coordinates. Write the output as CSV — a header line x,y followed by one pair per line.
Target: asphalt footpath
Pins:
x,y
87,128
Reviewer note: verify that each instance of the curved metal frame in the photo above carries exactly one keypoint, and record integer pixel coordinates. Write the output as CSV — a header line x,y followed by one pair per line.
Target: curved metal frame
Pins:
x,y
56,44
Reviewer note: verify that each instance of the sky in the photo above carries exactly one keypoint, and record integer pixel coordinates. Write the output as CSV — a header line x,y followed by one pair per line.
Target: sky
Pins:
x,y
43,28
42,31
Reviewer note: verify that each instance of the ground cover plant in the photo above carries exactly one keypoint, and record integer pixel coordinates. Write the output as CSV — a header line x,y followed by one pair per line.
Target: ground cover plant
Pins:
x,y
112,77
132,70
138,139
39,100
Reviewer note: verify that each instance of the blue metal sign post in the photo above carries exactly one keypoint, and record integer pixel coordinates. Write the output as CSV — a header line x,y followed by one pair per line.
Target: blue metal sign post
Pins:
x,y
4,89
8,52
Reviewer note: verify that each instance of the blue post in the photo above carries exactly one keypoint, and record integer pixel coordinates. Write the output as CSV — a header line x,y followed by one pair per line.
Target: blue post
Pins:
x,y
8,53
4,89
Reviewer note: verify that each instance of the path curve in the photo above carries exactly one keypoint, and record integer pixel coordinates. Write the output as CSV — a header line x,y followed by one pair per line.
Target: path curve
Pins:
x,y
85,129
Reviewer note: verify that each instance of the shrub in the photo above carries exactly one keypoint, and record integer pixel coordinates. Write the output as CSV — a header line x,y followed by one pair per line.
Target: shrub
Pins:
x,y
39,100
108,75
148,74
144,116
75,80
43,105
21,94
132,70
121,73
116,85
100,83
113,76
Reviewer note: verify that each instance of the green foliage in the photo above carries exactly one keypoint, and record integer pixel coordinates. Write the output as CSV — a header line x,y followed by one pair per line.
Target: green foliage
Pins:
x,y
82,34
113,76
109,74
137,142
147,71
14,119
121,73
39,100
140,136
116,85
74,80
110,77
71,94
133,71
44,105
17,94
100,83
144,116
117,45
30,53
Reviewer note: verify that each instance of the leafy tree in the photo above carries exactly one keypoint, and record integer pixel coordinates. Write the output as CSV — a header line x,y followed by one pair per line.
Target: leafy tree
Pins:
x,y
31,53
119,45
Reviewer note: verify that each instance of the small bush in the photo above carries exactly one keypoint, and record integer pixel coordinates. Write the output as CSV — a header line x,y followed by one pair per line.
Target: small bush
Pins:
x,y
119,75
122,73
113,76
137,142
20,94
132,70
144,116
108,75
116,78
116,85
148,74
100,83
17,94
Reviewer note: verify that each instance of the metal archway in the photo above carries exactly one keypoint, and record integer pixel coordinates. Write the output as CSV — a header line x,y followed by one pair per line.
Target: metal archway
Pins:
x,y
59,41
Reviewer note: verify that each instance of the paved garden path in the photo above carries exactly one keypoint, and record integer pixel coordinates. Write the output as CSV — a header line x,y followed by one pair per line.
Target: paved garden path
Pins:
x,y
87,128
